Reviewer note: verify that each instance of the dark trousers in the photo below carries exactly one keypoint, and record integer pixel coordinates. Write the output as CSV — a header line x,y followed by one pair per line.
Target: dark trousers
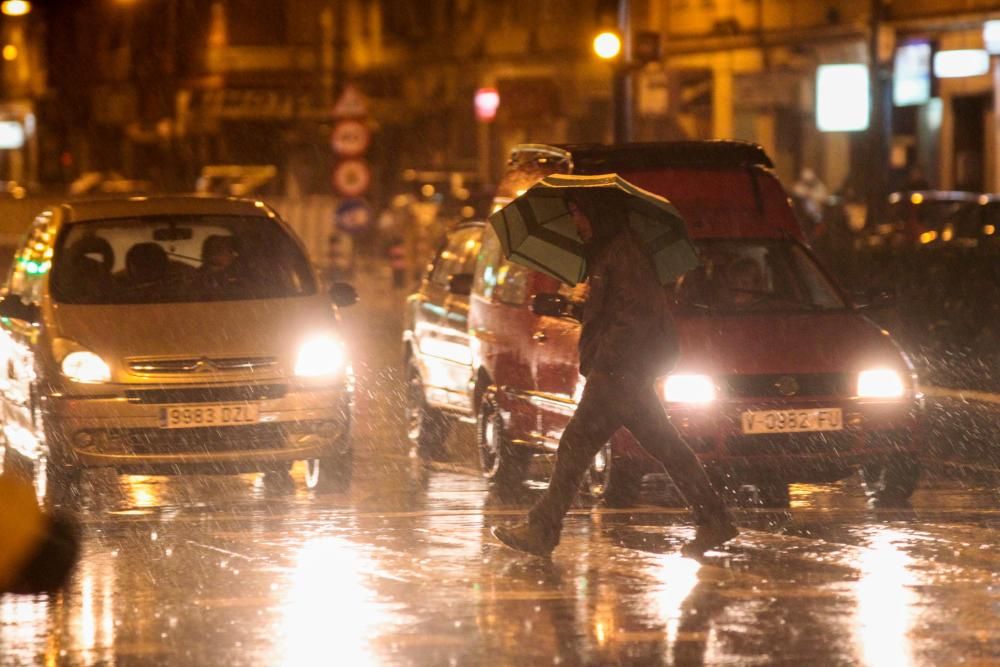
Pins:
x,y
610,402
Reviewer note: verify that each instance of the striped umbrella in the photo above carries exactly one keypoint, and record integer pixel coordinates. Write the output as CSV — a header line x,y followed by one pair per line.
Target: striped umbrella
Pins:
x,y
537,230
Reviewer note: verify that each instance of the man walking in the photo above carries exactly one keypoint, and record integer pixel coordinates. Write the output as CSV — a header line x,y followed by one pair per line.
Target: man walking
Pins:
x,y
627,340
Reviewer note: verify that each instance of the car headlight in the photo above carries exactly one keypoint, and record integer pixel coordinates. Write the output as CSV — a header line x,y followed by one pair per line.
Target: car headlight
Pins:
x,y
688,388
85,367
880,383
321,356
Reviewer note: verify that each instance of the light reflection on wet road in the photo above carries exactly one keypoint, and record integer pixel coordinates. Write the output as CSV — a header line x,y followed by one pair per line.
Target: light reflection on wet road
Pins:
x,y
401,570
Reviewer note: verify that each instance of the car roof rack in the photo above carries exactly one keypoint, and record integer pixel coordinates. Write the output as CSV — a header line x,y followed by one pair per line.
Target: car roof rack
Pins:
x,y
604,158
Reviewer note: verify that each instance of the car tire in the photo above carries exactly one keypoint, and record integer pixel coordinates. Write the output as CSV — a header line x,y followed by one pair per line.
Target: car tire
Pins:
x,y
426,427
278,478
611,481
333,471
892,482
502,463
63,486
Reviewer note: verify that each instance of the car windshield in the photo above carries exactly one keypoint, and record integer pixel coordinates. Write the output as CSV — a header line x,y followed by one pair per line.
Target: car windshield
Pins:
x,y
751,275
171,259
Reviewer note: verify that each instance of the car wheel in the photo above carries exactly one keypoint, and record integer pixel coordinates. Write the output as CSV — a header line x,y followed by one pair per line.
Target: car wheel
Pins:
x,y
278,478
426,427
58,485
333,471
610,480
501,462
891,483
773,495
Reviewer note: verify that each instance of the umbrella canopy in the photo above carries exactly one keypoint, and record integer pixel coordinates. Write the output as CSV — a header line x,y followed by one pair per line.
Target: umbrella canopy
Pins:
x,y
537,230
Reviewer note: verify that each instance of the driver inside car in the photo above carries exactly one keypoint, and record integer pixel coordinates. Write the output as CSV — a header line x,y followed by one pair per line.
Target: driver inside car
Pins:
x,y
219,254
744,281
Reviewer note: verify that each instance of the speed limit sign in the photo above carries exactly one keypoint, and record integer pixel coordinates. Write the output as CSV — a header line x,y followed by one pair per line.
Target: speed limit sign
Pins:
x,y
351,178
350,138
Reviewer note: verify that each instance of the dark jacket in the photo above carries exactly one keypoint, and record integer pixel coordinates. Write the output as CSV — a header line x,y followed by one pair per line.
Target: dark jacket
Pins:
x,y
627,327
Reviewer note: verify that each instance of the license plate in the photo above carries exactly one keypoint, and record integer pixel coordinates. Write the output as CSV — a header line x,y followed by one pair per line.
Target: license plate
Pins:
x,y
792,421
216,414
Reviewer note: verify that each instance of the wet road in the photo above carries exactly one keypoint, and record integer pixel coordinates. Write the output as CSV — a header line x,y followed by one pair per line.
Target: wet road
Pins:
x,y
402,570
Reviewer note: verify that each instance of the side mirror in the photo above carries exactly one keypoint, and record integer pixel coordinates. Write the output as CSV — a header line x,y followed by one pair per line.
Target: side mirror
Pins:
x,y
343,294
460,284
13,308
551,305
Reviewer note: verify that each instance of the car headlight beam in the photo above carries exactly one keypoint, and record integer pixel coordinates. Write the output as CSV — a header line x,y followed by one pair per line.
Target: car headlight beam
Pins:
x,y
880,383
321,356
689,388
85,367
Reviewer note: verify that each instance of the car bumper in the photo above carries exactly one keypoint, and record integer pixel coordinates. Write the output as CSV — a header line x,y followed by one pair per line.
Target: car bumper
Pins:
x,y
872,432
117,431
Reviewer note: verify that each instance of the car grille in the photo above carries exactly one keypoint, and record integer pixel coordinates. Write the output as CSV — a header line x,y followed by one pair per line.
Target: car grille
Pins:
x,y
221,394
156,366
792,444
787,385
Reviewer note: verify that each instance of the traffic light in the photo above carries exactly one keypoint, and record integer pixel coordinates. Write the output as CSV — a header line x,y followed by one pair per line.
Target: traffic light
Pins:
x,y
645,47
606,13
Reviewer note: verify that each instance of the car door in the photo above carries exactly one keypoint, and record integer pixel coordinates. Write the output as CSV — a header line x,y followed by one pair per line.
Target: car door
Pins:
x,y
443,349
555,364
501,324
27,281
455,329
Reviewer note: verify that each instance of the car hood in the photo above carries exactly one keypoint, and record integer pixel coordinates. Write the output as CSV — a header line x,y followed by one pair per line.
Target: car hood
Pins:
x,y
834,342
261,328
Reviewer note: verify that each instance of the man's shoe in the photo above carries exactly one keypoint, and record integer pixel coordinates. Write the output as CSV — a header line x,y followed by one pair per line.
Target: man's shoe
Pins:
x,y
708,537
523,537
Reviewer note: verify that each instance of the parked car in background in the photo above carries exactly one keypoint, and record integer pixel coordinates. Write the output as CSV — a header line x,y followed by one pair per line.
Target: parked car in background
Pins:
x,y
436,352
165,335
924,217
780,378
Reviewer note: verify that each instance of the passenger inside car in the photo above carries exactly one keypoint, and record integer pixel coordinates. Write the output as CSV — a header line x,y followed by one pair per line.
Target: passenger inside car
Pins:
x,y
744,281
90,260
146,264
218,253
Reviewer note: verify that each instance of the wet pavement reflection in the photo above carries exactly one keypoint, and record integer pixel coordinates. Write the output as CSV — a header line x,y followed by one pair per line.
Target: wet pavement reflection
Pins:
x,y
402,570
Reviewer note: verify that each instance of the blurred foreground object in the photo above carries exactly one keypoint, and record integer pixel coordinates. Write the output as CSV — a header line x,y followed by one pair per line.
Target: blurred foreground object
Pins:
x,y
37,551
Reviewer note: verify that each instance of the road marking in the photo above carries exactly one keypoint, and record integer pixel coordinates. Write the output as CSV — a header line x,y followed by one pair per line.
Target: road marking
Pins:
x,y
961,394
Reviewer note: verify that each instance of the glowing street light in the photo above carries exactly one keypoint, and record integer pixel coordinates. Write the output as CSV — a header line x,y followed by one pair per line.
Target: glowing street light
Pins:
x,y
15,7
607,45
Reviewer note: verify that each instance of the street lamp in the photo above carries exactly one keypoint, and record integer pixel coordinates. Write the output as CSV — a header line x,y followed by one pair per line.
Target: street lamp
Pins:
x,y
607,45
15,7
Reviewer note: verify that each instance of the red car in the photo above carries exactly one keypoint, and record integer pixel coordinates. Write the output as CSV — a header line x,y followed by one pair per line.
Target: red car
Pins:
x,y
780,379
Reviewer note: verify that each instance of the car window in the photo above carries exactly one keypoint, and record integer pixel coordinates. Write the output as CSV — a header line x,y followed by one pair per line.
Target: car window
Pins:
x,y
458,256
165,259
512,284
487,263
33,260
496,277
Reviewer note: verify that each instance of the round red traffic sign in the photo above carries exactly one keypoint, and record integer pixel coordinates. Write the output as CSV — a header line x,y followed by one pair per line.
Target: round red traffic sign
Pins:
x,y
350,138
351,178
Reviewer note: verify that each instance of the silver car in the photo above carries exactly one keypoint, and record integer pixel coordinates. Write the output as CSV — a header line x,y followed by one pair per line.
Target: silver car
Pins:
x,y
163,335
